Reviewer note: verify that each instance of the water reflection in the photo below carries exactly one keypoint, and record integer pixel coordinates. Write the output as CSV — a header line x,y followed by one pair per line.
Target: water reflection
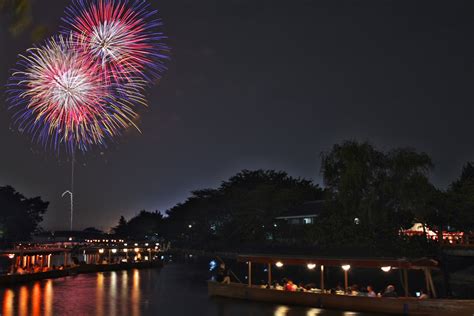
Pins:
x,y
113,293
136,293
7,306
313,312
99,294
124,291
281,311
23,303
48,298
177,290
36,300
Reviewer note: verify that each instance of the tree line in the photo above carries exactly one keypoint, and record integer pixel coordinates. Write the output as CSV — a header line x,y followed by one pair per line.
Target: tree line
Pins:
x,y
369,196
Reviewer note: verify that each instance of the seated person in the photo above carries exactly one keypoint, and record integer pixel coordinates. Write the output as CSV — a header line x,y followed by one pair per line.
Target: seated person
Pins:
x,y
390,292
290,286
370,291
354,290
277,286
423,295
220,273
301,287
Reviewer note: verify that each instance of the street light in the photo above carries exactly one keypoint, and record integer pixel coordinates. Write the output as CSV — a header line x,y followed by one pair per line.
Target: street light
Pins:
x,y
71,196
346,268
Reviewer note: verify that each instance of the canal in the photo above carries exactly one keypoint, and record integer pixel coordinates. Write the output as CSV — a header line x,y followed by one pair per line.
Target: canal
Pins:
x,y
177,289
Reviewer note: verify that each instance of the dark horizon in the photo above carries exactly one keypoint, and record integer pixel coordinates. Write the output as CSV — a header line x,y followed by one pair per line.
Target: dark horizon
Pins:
x,y
265,85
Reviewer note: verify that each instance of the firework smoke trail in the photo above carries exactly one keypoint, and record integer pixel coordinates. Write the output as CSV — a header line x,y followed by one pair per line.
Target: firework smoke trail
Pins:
x,y
121,35
59,96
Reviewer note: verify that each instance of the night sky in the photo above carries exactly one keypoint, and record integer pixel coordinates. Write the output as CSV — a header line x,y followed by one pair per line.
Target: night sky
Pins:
x,y
264,84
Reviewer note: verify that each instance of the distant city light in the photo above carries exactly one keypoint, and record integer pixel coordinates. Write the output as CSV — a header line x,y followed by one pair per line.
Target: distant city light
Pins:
x,y
114,250
101,250
11,255
386,269
346,267
279,264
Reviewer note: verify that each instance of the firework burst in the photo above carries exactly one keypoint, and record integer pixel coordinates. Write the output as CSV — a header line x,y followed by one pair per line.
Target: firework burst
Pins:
x,y
59,96
120,35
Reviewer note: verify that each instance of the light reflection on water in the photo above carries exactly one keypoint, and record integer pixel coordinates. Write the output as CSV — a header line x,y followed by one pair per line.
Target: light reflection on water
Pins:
x,y
100,294
175,290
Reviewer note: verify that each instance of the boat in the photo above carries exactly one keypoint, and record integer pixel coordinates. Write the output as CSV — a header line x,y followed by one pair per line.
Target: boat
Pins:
x,y
320,298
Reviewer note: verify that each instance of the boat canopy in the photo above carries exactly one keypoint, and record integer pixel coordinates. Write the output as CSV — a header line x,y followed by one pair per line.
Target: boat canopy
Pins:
x,y
403,263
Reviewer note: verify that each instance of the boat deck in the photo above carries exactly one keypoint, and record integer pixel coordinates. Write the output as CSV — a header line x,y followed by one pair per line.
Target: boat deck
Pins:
x,y
397,306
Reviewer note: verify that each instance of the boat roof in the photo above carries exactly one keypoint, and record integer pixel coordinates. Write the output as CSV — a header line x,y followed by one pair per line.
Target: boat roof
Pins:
x,y
402,263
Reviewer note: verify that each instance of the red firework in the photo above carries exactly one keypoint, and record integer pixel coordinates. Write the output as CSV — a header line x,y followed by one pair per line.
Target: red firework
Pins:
x,y
59,96
122,36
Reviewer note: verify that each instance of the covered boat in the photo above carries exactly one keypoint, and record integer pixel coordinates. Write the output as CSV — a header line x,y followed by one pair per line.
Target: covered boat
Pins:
x,y
321,298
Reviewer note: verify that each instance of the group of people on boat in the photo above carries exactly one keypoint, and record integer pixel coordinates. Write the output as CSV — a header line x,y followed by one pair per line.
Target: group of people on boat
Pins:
x,y
223,276
354,290
36,268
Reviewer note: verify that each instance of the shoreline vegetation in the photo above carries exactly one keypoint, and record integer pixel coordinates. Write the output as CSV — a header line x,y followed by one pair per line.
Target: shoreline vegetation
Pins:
x,y
368,199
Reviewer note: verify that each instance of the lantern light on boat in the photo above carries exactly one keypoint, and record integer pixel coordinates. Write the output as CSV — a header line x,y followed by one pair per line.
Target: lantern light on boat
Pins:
x,y
137,250
125,250
125,245
386,269
346,267
136,244
311,266
146,245
101,250
11,255
279,264
114,250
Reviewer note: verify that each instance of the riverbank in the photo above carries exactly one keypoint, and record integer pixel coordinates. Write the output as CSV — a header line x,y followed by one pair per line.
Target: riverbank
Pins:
x,y
12,279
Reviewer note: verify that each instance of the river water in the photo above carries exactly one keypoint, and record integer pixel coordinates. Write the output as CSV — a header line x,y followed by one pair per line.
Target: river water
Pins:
x,y
176,289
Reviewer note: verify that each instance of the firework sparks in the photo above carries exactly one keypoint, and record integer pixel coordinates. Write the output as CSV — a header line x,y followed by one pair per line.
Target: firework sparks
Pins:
x,y
121,36
59,96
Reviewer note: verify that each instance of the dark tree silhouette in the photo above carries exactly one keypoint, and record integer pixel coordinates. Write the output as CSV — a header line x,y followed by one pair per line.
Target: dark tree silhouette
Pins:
x,y
19,216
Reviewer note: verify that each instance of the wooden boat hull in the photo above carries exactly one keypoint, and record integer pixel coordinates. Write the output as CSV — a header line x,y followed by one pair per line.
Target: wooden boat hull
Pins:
x,y
400,306
11,279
